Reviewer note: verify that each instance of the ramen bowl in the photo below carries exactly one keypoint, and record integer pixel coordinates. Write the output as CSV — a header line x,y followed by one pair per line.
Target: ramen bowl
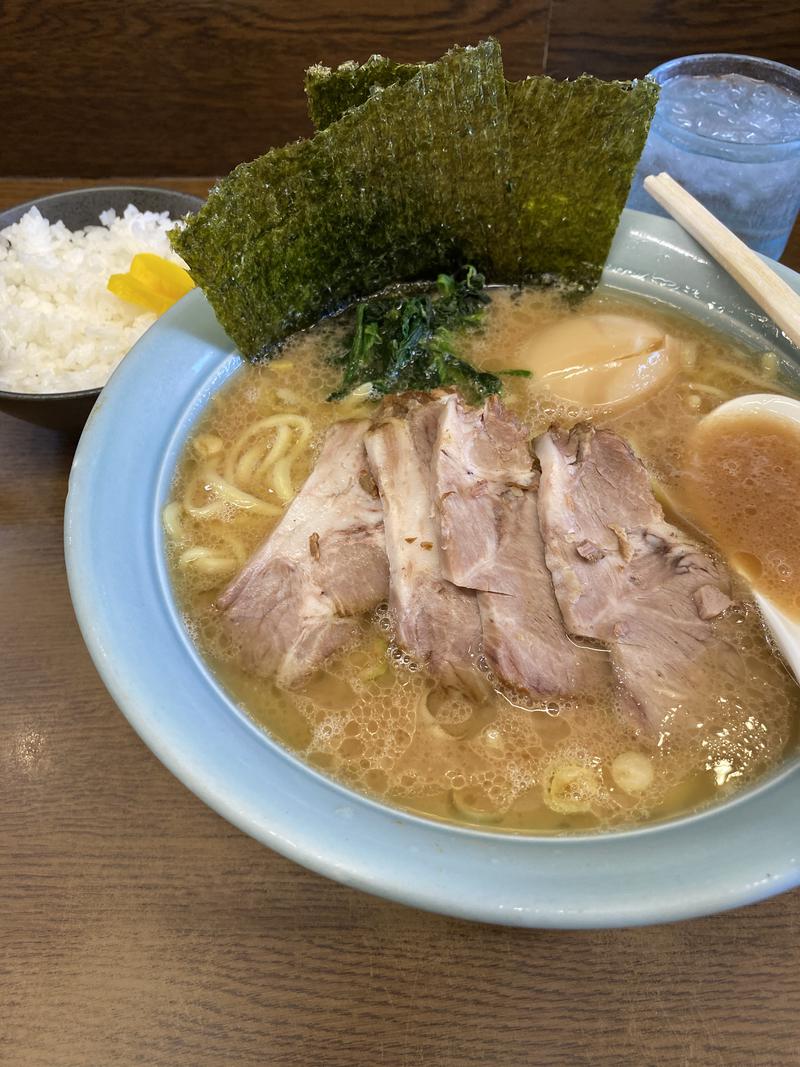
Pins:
x,y
736,852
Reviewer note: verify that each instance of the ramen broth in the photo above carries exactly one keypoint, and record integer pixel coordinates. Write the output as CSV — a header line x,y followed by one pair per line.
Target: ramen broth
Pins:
x,y
372,718
741,485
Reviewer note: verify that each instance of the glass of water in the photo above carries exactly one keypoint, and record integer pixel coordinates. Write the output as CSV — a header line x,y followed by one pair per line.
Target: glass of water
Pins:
x,y
727,128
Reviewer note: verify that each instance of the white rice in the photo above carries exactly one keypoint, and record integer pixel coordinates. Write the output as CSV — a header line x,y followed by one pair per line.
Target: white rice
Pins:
x,y
60,327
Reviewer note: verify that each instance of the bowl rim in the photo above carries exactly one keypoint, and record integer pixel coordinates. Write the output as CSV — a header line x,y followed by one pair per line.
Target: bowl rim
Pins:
x,y
7,394
85,190
201,770
50,198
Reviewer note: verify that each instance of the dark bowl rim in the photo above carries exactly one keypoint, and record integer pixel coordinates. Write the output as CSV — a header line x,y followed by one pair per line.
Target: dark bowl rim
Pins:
x,y
84,189
6,394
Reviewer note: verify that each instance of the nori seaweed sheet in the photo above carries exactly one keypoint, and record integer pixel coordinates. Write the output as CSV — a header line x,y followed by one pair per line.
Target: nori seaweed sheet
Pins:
x,y
400,188
574,148
419,169
576,145
330,93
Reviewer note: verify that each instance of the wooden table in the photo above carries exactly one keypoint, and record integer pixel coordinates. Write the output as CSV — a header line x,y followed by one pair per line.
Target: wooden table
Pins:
x,y
138,927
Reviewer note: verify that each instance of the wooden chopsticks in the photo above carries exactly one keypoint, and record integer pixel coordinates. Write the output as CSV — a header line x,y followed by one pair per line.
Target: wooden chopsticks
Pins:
x,y
769,291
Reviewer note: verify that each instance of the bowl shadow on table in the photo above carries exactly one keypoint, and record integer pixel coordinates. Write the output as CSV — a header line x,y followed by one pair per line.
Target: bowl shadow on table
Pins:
x,y
76,208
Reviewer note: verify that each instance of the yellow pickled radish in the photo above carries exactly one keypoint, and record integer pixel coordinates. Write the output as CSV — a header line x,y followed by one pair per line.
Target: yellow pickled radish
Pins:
x,y
161,274
152,282
131,289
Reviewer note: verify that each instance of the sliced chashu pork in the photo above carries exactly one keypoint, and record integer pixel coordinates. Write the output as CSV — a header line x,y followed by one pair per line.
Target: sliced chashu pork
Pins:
x,y
624,576
294,603
435,622
491,542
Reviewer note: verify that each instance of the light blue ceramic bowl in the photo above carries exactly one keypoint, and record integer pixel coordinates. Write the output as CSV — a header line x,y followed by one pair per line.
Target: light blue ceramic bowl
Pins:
x,y
733,854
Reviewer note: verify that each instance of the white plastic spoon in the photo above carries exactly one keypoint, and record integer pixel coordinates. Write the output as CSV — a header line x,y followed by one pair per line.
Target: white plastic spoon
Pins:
x,y
785,631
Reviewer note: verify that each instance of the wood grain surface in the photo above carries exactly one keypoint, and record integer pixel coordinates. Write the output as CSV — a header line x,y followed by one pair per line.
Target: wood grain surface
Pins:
x,y
139,928
94,87
161,87
625,39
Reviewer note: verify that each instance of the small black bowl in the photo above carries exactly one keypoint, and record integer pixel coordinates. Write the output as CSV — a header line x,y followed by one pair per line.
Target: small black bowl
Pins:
x,y
78,208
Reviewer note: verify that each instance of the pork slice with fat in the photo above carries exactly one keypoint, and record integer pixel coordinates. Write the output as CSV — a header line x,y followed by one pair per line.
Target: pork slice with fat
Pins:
x,y
624,576
435,622
296,600
490,538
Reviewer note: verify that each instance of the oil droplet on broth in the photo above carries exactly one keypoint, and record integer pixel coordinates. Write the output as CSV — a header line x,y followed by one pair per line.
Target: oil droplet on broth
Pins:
x,y
371,718
748,565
